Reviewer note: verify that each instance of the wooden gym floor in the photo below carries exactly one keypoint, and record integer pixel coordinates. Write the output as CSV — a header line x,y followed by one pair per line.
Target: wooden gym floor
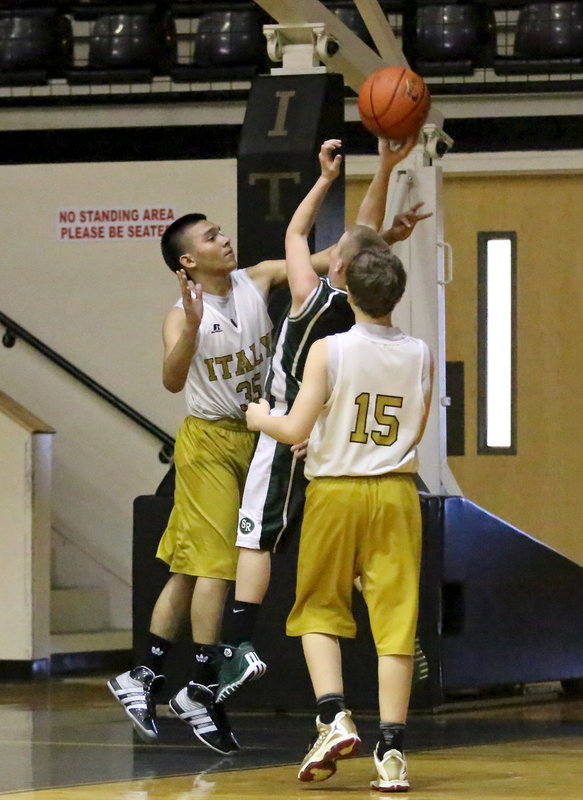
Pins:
x,y
67,740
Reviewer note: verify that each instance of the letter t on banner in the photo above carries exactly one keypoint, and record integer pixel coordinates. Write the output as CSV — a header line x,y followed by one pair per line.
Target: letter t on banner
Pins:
x,y
287,119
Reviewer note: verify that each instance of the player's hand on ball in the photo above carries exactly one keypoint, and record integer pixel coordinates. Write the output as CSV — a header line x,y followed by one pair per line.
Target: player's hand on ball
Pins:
x,y
255,413
392,152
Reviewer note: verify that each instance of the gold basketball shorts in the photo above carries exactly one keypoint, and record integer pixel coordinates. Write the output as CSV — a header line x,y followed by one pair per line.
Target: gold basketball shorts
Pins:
x,y
367,527
212,458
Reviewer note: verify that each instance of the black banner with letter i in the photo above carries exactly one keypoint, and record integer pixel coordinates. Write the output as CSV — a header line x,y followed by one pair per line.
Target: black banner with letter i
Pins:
x,y
287,119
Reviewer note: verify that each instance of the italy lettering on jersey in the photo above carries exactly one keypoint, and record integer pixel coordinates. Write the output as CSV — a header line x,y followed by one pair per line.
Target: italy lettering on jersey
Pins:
x,y
325,311
232,357
372,420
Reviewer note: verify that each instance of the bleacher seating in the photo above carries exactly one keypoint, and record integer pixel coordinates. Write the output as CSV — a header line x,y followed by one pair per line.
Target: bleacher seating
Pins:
x,y
227,45
549,39
229,38
350,16
453,38
129,43
165,44
19,5
36,44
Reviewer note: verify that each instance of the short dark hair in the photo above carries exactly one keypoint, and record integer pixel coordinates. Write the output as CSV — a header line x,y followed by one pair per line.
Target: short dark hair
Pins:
x,y
171,242
361,237
376,280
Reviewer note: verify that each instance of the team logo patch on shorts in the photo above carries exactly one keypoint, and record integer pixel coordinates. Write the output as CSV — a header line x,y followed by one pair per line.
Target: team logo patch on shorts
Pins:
x,y
246,525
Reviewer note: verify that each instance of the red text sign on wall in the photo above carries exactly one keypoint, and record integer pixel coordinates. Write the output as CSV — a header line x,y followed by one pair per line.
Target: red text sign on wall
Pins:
x,y
112,224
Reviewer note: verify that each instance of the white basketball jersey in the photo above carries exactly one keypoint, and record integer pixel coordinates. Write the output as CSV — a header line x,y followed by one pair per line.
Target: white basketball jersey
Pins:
x,y
371,422
232,357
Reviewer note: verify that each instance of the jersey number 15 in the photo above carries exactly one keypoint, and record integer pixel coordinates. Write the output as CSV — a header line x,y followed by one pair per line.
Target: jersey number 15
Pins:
x,y
382,402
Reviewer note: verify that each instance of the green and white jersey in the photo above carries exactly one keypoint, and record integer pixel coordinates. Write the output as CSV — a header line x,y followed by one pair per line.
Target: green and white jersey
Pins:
x,y
324,312
371,422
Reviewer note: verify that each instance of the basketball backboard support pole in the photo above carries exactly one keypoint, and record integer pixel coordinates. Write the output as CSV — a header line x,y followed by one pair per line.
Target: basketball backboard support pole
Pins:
x,y
421,312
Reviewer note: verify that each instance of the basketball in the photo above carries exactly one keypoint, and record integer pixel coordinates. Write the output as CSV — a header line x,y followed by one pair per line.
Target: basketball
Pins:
x,y
393,103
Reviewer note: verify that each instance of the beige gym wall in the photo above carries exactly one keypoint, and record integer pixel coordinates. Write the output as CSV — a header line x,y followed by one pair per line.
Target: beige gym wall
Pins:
x,y
100,304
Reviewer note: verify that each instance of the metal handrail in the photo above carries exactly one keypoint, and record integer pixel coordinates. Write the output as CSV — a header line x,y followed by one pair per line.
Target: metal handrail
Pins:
x,y
15,331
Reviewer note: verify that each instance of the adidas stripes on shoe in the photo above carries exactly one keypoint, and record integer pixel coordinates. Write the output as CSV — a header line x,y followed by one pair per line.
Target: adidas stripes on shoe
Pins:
x,y
238,666
133,690
195,705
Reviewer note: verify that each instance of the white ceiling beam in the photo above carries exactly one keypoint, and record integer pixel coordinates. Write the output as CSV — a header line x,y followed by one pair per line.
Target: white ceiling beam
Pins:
x,y
382,34
354,59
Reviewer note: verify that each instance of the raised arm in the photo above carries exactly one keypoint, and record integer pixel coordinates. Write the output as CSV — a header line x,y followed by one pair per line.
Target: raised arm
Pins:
x,y
272,273
179,334
302,277
373,207
300,272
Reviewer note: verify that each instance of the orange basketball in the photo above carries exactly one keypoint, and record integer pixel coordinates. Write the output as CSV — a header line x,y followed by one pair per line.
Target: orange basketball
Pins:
x,y
393,103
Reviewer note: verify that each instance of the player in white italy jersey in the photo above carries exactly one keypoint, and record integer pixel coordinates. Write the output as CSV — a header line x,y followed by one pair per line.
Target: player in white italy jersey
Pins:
x,y
216,344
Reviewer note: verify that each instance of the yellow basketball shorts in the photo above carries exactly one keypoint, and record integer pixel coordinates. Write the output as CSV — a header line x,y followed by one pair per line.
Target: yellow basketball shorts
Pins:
x,y
212,458
367,527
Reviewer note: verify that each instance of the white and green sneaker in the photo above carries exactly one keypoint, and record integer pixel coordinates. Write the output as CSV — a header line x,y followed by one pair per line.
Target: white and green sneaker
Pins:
x,y
238,666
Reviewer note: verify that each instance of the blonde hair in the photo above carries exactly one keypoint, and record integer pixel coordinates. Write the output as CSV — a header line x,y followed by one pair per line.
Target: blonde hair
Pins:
x,y
360,237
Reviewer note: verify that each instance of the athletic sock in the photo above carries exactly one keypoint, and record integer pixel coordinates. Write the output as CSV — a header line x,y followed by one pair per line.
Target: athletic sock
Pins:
x,y
329,705
157,648
206,657
391,737
240,622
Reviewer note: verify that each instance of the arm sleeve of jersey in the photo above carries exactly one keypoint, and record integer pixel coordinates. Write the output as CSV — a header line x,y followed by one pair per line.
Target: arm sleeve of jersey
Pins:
x,y
308,302
426,370
241,274
332,363
178,303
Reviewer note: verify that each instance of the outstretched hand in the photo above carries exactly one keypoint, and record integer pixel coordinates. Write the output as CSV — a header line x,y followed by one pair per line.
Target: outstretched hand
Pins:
x,y
403,224
191,299
330,163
